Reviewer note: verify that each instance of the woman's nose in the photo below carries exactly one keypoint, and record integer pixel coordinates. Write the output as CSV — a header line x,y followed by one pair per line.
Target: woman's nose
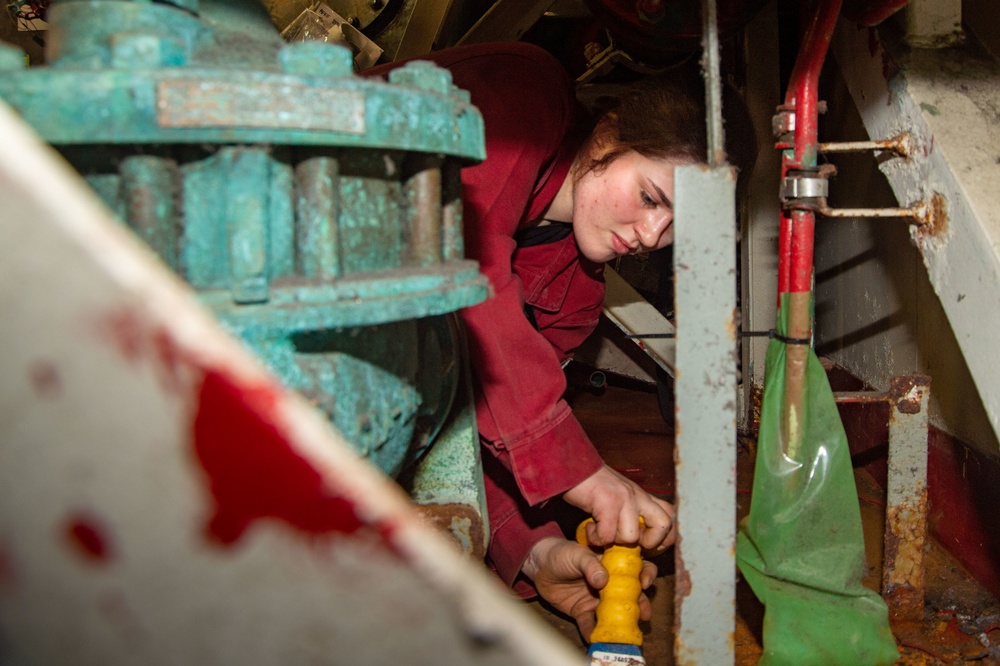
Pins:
x,y
651,230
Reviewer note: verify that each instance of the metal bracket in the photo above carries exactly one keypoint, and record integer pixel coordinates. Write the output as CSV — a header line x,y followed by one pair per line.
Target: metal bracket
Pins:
x,y
906,492
806,188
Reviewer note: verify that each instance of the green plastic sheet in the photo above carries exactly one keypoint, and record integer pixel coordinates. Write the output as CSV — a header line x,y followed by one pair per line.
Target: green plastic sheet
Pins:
x,y
801,548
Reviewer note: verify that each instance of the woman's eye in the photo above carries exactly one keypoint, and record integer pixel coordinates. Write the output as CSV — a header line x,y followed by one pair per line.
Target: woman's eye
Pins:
x,y
648,200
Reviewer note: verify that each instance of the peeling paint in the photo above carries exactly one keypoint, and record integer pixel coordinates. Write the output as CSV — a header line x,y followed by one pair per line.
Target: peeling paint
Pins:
x,y
905,538
907,392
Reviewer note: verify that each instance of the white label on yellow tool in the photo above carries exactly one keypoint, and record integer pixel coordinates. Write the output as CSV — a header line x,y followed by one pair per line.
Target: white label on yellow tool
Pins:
x,y
614,659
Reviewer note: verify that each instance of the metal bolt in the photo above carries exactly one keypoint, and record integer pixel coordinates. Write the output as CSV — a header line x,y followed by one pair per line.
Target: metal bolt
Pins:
x,y
354,21
375,4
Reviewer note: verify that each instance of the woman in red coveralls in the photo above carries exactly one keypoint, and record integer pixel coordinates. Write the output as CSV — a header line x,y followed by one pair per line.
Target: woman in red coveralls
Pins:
x,y
556,198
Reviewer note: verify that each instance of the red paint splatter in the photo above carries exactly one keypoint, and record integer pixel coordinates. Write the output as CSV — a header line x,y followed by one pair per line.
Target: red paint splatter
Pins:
x,y
170,360
137,339
45,379
127,331
253,471
89,539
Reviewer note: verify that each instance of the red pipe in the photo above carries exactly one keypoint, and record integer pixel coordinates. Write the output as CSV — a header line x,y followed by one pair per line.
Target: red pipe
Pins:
x,y
796,233
807,67
784,241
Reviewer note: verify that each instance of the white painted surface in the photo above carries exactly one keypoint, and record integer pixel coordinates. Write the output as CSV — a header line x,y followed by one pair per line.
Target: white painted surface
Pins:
x,y
947,99
106,361
634,315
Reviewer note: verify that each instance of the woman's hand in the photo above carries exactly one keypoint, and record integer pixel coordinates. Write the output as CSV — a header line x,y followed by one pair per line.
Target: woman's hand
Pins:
x,y
616,504
568,576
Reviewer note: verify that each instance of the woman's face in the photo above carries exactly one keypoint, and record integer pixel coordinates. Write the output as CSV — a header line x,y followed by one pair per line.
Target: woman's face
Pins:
x,y
626,208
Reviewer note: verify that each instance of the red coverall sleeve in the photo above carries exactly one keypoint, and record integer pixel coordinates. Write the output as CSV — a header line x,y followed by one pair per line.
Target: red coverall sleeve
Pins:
x,y
527,106
515,527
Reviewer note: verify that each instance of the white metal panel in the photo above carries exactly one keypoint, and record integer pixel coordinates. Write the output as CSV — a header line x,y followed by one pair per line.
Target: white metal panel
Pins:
x,y
164,501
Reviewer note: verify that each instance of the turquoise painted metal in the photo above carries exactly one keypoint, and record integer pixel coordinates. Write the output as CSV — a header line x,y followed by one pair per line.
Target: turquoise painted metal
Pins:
x,y
317,213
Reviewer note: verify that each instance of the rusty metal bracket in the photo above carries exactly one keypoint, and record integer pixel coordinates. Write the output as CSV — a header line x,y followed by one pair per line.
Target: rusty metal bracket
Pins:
x,y
922,214
807,189
902,144
906,491
783,125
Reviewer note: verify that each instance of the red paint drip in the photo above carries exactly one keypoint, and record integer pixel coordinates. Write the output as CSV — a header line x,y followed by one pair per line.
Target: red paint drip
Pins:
x,y
254,472
89,539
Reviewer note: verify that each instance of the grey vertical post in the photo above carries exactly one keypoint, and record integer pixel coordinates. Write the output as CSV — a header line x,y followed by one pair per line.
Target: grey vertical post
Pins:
x,y
906,497
705,457
705,385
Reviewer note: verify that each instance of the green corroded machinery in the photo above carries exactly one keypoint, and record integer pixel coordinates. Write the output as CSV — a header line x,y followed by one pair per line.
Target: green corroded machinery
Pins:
x,y
316,212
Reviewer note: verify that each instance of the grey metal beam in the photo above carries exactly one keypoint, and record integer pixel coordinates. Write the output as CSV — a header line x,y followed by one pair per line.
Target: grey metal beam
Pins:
x,y
705,301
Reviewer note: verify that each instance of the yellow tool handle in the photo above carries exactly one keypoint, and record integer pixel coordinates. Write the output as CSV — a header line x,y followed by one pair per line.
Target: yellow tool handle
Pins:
x,y
618,608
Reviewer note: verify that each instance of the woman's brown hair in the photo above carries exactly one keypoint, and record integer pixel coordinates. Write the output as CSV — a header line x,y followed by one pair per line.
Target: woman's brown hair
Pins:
x,y
663,117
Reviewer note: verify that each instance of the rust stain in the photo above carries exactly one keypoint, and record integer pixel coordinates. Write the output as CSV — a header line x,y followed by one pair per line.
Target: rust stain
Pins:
x,y
905,537
460,523
682,579
934,220
906,392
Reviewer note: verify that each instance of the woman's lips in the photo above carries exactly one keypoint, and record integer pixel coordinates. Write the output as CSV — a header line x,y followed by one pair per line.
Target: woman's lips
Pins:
x,y
619,245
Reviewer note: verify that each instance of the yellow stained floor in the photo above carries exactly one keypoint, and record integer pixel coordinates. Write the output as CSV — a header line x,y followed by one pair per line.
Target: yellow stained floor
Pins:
x,y
625,424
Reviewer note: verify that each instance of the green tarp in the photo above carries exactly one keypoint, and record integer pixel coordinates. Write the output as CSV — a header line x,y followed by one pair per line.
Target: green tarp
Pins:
x,y
801,548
